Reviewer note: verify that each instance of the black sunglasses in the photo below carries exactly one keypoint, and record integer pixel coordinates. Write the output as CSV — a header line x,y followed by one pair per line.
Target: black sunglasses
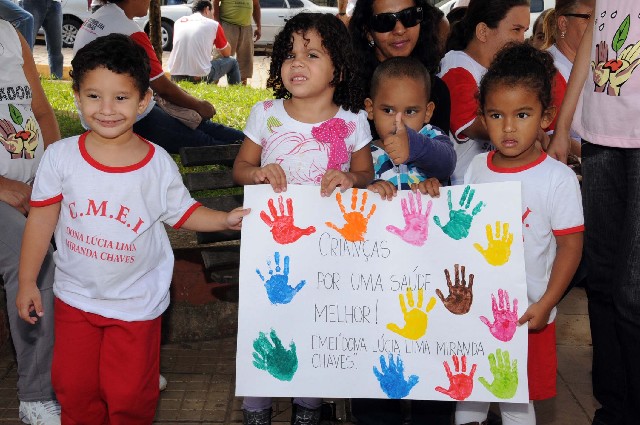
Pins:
x,y
385,22
586,16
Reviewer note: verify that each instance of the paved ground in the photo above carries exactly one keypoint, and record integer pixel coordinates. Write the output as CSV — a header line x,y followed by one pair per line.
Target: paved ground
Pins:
x,y
201,375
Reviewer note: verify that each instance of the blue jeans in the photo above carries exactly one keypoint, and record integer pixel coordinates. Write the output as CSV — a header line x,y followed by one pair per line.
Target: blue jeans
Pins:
x,y
166,131
48,15
611,198
225,66
19,18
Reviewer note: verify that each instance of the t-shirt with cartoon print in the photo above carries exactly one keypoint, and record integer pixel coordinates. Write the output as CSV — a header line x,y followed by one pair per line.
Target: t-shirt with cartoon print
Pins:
x,y
113,254
551,206
610,100
19,131
462,75
306,151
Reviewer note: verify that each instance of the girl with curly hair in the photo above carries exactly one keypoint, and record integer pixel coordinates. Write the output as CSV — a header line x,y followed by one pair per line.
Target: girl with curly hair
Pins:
x,y
314,133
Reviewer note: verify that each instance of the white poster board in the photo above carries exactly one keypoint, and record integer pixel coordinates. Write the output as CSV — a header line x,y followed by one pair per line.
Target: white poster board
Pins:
x,y
339,295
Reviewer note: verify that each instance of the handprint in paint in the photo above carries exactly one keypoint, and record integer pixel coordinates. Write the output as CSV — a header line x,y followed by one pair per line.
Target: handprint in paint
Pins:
x,y
505,375
356,222
505,320
498,248
391,378
277,286
282,227
460,220
415,318
460,294
416,229
460,384
271,356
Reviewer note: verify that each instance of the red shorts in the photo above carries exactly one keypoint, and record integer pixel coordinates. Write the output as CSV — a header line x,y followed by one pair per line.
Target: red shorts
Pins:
x,y
543,363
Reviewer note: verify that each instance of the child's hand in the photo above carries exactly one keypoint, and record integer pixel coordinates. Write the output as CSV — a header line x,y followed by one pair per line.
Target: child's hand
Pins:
x,y
272,174
235,216
385,189
29,303
333,179
396,144
430,186
537,315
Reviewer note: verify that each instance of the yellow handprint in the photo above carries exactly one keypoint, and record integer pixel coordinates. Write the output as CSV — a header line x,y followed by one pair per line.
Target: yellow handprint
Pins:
x,y
416,320
30,138
621,69
499,248
356,223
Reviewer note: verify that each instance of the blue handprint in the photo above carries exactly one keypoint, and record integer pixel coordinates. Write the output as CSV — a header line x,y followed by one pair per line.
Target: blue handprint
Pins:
x,y
460,220
392,379
278,289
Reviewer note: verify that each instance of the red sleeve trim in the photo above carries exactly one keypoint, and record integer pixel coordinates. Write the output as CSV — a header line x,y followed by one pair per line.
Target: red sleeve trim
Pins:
x,y
186,215
221,41
569,231
464,104
558,91
46,202
143,40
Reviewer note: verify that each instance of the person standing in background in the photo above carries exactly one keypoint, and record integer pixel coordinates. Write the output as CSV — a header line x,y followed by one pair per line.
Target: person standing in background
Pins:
x,y
235,17
19,18
48,15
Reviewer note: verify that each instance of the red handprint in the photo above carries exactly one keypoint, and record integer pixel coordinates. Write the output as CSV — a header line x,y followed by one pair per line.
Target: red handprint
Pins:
x,y
460,384
282,227
505,321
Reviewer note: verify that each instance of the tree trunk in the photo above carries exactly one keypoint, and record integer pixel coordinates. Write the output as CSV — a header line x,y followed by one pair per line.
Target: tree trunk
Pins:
x,y
155,33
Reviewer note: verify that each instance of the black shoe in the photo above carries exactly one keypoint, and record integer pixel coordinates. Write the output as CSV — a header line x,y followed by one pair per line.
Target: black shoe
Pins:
x,y
261,417
303,416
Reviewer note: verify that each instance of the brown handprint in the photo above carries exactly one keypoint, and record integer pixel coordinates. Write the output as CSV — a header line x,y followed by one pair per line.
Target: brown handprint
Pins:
x,y
460,384
12,142
356,223
460,294
620,70
600,73
282,227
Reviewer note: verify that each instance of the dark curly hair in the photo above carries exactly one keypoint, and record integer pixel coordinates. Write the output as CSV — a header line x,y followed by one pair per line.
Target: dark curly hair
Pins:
x,y
400,67
520,65
349,93
117,53
427,48
491,12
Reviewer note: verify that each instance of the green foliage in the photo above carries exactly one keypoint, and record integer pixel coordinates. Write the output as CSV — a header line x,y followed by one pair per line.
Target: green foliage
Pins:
x,y
232,103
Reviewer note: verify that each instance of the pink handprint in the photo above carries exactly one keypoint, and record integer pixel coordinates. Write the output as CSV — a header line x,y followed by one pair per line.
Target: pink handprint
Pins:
x,y
460,384
416,229
282,227
505,321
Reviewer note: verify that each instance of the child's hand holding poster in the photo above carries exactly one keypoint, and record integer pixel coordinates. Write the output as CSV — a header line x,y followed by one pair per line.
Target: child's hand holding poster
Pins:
x,y
353,296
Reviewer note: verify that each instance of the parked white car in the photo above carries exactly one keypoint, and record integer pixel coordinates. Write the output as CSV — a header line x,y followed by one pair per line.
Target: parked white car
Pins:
x,y
537,7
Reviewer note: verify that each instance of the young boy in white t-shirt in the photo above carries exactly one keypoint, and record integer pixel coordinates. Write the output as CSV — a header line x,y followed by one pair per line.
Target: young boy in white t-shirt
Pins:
x,y
107,193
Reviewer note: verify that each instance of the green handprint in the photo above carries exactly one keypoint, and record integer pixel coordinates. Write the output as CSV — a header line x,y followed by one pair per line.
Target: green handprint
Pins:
x,y
460,220
505,375
274,358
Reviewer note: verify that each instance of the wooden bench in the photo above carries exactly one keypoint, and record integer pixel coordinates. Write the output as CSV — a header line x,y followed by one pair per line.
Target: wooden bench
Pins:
x,y
220,250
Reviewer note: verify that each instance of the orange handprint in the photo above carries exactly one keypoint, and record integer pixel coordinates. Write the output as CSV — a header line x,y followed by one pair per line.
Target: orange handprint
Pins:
x,y
356,223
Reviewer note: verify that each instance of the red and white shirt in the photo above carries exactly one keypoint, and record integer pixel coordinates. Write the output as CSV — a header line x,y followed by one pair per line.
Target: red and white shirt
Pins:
x,y
113,254
193,38
551,206
462,75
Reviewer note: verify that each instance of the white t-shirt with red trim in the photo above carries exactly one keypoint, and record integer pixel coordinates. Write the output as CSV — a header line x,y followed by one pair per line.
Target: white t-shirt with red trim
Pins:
x,y
113,254
110,19
462,75
306,151
193,38
551,206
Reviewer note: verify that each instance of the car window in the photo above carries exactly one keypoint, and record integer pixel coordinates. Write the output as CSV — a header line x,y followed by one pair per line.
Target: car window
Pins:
x,y
537,6
294,4
272,4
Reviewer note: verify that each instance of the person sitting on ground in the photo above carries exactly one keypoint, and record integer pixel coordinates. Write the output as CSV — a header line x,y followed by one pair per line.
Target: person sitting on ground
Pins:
x,y
116,16
193,37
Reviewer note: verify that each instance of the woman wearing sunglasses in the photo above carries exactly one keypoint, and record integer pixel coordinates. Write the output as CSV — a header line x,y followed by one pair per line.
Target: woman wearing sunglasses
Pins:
x,y
383,29
486,27
564,26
